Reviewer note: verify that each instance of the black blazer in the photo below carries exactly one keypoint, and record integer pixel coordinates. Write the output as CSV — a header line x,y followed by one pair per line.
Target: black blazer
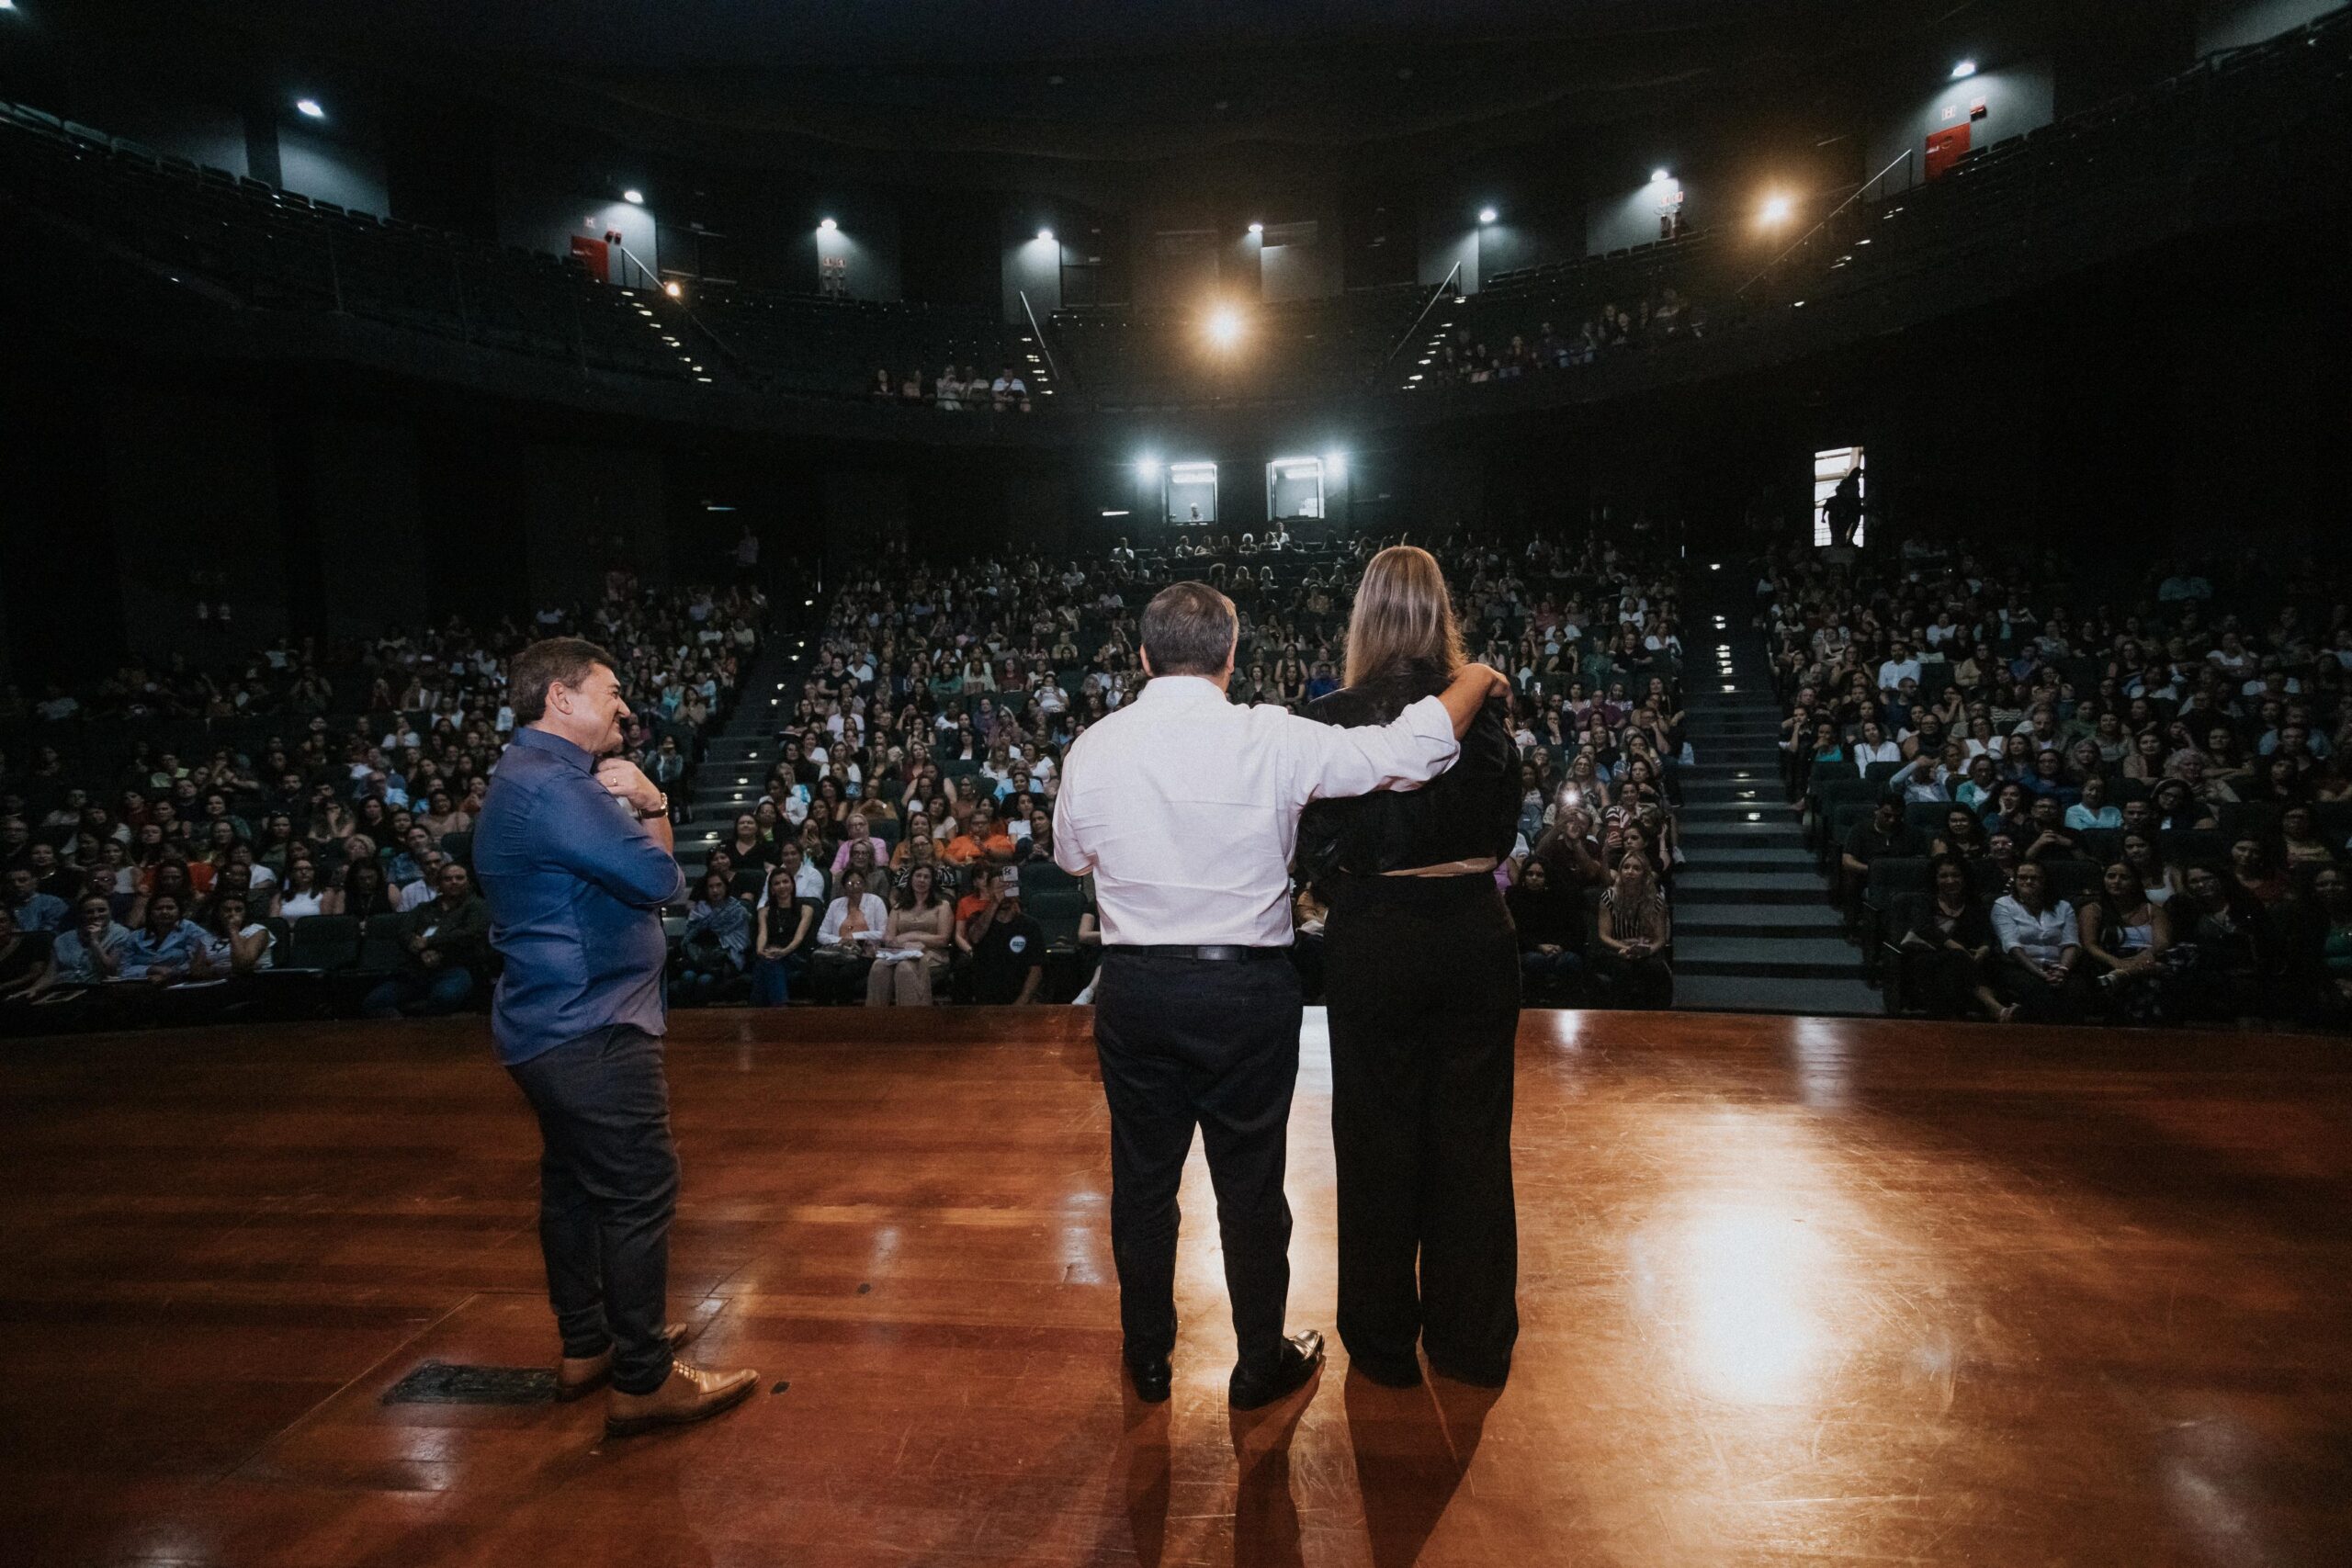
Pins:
x,y
1469,811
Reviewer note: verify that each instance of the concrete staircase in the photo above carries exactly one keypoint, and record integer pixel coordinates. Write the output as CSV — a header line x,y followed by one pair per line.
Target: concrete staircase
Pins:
x,y
1754,929
735,759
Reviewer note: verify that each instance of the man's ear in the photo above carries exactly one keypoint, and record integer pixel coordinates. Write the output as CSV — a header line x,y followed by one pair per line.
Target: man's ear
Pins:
x,y
1145,654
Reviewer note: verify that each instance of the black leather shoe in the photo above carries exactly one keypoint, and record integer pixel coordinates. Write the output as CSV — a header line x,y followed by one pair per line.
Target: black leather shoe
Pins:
x,y
1301,1355
1150,1379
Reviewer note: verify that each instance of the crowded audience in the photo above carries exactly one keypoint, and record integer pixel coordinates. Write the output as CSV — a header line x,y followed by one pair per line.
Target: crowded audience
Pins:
x,y
311,814
2047,800
911,799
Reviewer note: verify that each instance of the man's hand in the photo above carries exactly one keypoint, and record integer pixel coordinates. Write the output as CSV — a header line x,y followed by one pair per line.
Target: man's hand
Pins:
x,y
627,782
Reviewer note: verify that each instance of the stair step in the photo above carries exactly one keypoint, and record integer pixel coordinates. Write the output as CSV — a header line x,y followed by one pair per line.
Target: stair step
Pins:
x,y
1699,840
1751,860
1786,957
1757,887
1749,919
1743,993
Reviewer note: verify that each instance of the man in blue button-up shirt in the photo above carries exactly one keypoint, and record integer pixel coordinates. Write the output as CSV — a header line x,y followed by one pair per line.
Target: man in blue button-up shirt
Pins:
x,y
575,856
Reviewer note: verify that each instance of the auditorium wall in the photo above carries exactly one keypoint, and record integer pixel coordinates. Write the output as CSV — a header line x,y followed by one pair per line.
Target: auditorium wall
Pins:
x,y
192,511
2017,97
325,168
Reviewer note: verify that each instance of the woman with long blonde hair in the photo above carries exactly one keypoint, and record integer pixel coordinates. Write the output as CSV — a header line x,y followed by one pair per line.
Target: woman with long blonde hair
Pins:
x,y
1422,970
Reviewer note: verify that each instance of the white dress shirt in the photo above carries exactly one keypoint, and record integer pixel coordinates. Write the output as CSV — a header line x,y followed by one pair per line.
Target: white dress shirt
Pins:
x,y
1184,806
2044,938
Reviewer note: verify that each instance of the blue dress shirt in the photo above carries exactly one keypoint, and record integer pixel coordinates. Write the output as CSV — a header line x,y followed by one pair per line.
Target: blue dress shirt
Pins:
x,y
576,885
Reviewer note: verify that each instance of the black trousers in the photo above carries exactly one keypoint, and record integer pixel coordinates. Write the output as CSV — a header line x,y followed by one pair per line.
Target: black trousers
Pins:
x,y
1186,1043
608,1186
1424,998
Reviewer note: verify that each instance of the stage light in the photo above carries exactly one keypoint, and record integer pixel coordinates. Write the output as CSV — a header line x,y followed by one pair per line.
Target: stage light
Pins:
x,y
671,288
308,108
1966,68
1335,465
1147,469
1777,209
7,4
1257,228
634,198
1046,236
827,224
1225,326
1487,215
1659,176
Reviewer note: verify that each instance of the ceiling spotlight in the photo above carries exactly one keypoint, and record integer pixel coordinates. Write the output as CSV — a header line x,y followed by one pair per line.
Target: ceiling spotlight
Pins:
x,y
1334,464
1487,215
671,288
308,108
827,224
1046,236
634,198
1965,68
1777,209
1225,326
1147,467
1257,228
1659,176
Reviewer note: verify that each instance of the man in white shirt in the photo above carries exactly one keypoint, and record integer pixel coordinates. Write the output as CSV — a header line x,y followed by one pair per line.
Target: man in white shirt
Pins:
x,y
1184,809
1898,667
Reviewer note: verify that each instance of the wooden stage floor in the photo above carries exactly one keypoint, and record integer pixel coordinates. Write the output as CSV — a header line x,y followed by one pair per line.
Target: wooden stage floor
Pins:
x,y
1794,1291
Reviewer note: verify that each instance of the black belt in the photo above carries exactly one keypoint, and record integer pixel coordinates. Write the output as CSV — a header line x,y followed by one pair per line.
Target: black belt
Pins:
x,y
1211,954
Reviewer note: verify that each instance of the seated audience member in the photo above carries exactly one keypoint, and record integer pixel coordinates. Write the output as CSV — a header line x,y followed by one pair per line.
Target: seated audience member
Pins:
x,y
748,845
1550,922
2041,942
781,942
2226,969
240,945
24,959
2125,937
716,940
1634,932
446,939
858,838
34,910
982,839
808,882
2091,810
915,945
2256,876
167,947
1883,833
2323,959
364,894
1007,949
2046,838
1963,836
1945,947
2145,856
856,921
301,896
93,948
2299,845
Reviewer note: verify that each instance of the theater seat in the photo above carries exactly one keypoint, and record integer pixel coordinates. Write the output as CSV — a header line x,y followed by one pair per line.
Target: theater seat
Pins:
x,y
325,943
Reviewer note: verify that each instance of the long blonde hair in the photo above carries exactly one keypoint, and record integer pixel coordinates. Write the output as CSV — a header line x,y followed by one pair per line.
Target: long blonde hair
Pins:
x,y
1403,615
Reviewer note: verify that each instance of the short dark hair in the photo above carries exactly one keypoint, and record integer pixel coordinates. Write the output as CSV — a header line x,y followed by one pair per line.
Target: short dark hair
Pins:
x,y
565,661
1189,629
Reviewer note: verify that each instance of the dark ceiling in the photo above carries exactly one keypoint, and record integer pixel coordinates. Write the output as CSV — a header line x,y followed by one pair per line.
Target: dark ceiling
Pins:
x,y
1040,82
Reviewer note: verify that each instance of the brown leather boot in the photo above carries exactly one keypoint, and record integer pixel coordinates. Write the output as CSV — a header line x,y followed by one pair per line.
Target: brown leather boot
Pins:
x,y
576,1376
688,1394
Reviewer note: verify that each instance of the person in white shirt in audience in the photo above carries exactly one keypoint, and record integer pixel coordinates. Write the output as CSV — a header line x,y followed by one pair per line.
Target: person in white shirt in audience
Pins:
x,y
2041,976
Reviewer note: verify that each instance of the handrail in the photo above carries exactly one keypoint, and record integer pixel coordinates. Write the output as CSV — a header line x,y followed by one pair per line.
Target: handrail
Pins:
x,y
652,278
1859,191
1043,346
1413,331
